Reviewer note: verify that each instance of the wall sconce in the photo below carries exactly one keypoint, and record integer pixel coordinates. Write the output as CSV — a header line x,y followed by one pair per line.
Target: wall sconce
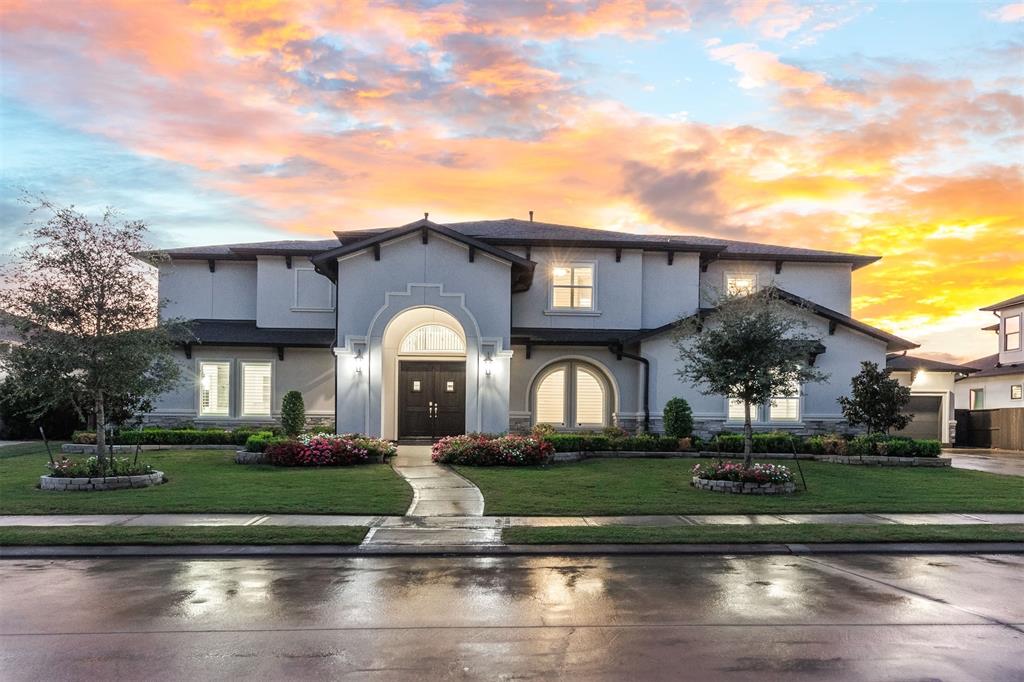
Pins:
x,y
359,361
488,361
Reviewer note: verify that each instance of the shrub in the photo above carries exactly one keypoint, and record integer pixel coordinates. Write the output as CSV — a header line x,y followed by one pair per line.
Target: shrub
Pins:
x,y
477,450
613,432
259,441
678,418
542,430
894,446
646,443
376,448
576,442
762,442
293,413
285,452
177,436
734,471
90,468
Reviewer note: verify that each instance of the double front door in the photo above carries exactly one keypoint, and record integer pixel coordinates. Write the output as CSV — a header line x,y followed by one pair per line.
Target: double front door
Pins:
x,y
431,398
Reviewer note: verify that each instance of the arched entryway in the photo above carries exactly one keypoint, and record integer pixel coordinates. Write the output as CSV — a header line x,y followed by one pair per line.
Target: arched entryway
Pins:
x,y
424,375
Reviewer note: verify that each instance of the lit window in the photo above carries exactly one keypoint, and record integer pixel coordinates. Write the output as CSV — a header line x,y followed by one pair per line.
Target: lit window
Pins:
x,y
737,413
785,408
256,377
572,287
977,398
1011,333
575,389
214,388
432,338
736,284
1017,392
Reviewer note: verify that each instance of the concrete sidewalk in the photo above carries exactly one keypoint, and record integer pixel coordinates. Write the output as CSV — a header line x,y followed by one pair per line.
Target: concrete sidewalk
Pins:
x,y
449,523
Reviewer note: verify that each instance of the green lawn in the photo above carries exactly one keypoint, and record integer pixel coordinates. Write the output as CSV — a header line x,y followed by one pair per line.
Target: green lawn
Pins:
x,y
662,486
788,533
208,481
182,535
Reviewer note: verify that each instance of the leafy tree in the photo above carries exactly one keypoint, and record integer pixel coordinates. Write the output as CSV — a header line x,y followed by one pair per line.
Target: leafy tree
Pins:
x,y
293,413
753,348
88,314
678,418
876,401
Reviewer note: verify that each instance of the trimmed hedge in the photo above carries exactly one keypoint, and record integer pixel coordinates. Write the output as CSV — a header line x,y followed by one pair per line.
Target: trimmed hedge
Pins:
x,y
576,442
870,445
156,436
259,442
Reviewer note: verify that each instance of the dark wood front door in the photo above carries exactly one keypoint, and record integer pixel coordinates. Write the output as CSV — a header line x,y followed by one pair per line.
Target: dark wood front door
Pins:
x,y
431,399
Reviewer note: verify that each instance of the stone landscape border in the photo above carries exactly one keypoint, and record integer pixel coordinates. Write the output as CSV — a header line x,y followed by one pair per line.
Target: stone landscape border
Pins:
x,y
875,460
67,483
741,488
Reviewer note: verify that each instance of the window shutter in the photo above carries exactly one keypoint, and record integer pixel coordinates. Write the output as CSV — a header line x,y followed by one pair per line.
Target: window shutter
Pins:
x,y
256,389
551,399
214,388
589,398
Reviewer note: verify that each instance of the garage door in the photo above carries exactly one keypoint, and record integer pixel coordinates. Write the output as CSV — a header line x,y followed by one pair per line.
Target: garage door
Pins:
x,y
927,417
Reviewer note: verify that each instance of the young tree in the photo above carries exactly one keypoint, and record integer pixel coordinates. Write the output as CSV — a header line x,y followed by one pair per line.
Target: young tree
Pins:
x,y
88,314
876,401
753,348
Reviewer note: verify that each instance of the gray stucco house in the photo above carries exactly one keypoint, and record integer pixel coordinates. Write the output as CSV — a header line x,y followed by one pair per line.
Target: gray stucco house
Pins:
x,y
428,329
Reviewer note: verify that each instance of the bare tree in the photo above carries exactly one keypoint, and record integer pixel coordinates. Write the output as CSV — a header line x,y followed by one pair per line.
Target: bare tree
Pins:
x,y
90,318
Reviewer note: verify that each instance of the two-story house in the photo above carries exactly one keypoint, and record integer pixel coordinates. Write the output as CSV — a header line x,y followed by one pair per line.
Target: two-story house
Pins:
x,y
998,381
428,329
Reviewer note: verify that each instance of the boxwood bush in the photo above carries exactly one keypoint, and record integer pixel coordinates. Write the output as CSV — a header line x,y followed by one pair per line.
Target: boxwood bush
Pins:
x,y
159,436
591,442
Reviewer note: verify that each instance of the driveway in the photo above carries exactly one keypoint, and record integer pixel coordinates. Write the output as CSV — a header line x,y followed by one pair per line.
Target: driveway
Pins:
x,y
1008,462
863,617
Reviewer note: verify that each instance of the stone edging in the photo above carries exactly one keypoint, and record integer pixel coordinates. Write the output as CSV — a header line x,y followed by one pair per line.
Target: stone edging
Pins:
x,y
86,449
246,457
740,488
101,482
707,454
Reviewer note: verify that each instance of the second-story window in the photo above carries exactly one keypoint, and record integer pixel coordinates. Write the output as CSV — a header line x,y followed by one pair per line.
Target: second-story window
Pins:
x,y
739,283
1011,333
572,287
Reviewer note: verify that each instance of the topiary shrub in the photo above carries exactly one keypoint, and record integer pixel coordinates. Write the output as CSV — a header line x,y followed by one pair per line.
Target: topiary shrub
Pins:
x,y
678,418
293,414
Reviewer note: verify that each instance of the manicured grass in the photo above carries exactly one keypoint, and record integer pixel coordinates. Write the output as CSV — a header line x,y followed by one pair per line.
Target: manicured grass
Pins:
x,y
182,535
788,533
208,481
662,486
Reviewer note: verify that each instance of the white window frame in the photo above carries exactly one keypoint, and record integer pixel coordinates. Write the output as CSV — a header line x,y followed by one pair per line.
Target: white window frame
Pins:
x,y
199,387
295,293
971,398
241,388
762,414
569,394
1020,391
799,398
730,274
1006,334
552,309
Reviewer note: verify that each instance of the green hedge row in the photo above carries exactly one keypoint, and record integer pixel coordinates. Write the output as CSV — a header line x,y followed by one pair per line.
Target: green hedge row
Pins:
x,y
868,445
575,442
155,436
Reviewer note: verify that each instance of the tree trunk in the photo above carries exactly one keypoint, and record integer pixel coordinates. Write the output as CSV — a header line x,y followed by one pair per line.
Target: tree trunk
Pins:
x,y
748,437
101,433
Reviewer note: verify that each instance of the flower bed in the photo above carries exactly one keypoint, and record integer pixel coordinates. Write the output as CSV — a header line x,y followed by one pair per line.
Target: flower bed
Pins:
x,y
482,450
322,449
733,477
89,474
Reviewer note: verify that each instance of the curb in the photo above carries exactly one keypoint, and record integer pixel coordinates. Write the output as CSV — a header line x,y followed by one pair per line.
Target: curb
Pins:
x,y
247,551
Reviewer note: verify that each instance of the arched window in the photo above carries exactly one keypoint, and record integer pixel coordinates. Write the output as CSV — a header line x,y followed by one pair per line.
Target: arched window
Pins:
x,y
432,338
572,395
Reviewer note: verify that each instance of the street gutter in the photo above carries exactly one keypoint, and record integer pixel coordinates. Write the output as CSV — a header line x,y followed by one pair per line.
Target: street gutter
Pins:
x,y
247,551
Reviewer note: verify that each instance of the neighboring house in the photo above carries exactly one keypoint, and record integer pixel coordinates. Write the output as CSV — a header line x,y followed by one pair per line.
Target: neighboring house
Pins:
x,y
999,379
428,329
932,395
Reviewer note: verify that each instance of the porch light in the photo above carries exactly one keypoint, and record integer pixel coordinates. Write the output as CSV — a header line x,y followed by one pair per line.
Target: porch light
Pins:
x,y
359,361
488,361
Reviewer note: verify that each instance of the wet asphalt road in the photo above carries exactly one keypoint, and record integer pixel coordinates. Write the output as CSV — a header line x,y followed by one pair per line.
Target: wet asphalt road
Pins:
x,y
855,617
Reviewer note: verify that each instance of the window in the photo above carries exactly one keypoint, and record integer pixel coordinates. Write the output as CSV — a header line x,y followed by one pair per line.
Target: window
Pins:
x,y
1011,333
312,291
214,389
572,287
785,408
1017,392
573,389
432,338
737,413
977,398
256,378
736,283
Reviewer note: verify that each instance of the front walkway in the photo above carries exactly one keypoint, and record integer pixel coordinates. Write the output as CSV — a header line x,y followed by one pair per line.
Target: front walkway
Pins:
x,y
1006,462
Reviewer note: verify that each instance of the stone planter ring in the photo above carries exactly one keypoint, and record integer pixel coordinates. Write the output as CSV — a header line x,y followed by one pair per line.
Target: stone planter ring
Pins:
x,y
101,482
740,488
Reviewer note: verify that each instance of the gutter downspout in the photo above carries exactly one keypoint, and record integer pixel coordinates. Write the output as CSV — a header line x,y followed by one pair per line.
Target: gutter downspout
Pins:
x,y
619,354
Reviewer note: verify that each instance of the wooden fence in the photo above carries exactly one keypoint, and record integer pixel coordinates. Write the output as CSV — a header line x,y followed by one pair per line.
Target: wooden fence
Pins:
x,y
1002,428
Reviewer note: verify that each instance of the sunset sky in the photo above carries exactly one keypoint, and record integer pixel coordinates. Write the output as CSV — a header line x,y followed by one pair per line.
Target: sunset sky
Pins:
x,y
888,128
